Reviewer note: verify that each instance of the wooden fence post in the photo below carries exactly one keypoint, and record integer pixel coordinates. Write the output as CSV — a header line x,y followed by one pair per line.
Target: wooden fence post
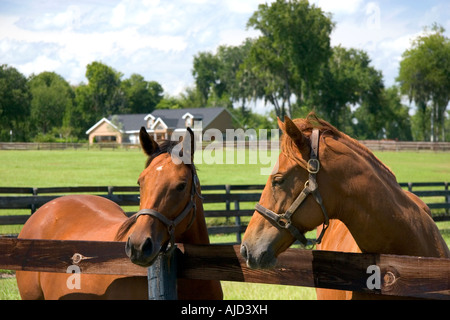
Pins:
x,y
238,222
162,277
447,198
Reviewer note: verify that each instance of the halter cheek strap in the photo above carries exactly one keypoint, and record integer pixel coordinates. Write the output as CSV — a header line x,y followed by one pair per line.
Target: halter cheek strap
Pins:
x,y
284,221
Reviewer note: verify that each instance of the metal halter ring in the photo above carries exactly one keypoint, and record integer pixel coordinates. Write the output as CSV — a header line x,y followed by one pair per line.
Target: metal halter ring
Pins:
x,y
313,166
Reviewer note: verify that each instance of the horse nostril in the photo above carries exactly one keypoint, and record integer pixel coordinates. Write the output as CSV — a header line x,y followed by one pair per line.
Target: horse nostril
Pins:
x,y
147,247
128,248
244,251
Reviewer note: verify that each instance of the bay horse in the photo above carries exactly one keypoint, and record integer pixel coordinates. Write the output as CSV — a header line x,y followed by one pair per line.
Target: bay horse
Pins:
x,y
324,177
167,187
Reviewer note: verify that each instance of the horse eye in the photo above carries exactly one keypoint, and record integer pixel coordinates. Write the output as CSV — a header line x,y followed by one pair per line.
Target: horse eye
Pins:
x,y
181,186
277,181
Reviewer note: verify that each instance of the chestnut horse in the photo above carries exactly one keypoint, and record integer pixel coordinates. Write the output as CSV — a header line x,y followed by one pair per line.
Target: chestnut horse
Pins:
x,y
166,187
324,177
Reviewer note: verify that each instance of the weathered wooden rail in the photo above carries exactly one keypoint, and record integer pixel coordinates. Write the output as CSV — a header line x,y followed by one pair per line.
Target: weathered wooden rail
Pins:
x,y
398,275
375,145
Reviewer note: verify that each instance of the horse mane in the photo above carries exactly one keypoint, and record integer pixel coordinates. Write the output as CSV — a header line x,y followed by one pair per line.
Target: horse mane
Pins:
x,y
289,148
166,146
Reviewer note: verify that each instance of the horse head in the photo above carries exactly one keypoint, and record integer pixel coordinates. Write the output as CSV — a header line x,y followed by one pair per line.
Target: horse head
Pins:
x,y
169,190
291,203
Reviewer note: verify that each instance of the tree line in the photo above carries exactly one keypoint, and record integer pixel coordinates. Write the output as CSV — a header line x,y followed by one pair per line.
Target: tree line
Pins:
x,y
45,107
291,68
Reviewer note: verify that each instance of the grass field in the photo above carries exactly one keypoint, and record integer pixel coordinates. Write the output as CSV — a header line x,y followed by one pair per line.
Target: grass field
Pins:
x,y
119,167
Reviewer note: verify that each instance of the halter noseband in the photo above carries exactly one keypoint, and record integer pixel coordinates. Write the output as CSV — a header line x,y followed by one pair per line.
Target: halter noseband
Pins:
x,y
171,224
284,221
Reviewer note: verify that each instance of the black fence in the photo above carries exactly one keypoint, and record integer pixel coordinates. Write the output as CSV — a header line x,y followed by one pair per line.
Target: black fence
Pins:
x,y
229,203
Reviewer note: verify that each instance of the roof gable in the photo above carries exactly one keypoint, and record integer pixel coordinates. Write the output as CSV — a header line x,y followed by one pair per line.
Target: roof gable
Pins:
x,y
170,118
207,115
95,126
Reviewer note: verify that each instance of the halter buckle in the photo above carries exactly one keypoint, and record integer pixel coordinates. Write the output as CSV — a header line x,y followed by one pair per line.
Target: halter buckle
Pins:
x,y
283,222
313,166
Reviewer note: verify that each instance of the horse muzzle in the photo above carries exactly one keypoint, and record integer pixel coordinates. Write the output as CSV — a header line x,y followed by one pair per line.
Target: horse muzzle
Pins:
x,y
258,257
143,252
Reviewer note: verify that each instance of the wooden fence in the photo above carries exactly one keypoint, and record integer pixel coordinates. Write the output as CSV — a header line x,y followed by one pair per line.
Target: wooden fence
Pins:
x,y
396,275
235,201
375,145
392,145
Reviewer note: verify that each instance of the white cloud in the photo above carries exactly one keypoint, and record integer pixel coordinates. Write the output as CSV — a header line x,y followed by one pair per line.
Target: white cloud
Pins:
x,y
118,15
235,37
40,64
247,7
339,6
158,39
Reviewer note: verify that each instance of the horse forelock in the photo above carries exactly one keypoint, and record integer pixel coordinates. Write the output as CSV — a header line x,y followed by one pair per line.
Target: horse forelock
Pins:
x,y
125,227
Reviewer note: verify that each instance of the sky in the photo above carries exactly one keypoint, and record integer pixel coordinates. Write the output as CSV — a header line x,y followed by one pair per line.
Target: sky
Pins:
x,y
158,39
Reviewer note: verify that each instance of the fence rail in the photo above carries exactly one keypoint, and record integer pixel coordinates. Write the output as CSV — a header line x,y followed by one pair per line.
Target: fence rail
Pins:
x,y
375,145
392,145
398,275
237,201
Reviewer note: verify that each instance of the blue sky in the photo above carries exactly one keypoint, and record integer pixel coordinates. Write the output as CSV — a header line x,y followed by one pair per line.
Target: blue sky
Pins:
x,y
158,39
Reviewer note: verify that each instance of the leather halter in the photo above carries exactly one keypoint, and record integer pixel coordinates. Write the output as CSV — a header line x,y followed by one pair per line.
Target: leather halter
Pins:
x,y
171,224
284,221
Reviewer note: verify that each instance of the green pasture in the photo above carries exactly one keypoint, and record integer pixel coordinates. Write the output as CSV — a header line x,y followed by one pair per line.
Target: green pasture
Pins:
x,y
122,167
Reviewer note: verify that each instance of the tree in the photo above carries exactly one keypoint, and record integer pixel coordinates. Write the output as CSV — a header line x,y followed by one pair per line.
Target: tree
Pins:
x,y
141,96
294,44
104,95
205,70
217,77
390,121
349,80
397,120
52,101
15,100
424,78
340,84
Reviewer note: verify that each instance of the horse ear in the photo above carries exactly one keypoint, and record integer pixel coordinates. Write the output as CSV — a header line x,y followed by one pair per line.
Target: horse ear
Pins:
x,y
189,145
148,144
281,125
295,133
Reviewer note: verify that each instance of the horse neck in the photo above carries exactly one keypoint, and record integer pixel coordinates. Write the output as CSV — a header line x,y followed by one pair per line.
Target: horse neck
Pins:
x,y
198,232
381,216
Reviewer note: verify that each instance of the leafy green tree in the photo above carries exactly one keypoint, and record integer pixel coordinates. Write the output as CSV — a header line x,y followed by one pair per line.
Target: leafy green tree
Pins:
x,y
205,70
80,119
15,98
348,80
397,121
424,78
390,121
340,84
103,96
141,96
52,98
294,44
190,98
169,102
